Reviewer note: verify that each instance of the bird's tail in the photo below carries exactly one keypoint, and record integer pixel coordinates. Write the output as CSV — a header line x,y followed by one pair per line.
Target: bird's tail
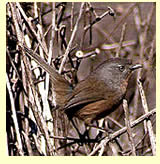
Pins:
x,y
61,86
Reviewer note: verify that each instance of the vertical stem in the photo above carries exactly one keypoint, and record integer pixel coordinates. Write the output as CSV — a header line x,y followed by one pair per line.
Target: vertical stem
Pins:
x,y
149,124
71,39
128,125
15,121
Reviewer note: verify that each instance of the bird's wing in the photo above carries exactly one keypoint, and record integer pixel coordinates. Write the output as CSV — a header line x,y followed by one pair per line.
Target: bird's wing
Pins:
x,y
86,92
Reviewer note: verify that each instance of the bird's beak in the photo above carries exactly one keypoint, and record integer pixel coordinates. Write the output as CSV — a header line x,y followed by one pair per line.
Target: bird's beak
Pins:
x,y
136,66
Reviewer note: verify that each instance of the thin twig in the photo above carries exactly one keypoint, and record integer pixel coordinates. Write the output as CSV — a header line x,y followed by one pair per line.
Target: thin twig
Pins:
x,y
114,121
116,45
138,22
113,147
13,65
101,151
97,19
122,131
151,53
121,39
50,54
71,39
142,37
92,9
28,21
149,124
14,116
37,144
128,12
72,16
129,130
82,55
40,35
36,103
28,144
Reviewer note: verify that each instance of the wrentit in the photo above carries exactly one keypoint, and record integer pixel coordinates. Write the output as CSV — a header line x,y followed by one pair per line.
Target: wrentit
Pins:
x,y
96,96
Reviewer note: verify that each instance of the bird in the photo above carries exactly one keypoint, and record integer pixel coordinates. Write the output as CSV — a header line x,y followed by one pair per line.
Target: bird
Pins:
x,y
95,97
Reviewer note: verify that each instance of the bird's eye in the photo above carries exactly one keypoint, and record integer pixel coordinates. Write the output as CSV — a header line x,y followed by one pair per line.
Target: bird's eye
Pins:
x,y
121,68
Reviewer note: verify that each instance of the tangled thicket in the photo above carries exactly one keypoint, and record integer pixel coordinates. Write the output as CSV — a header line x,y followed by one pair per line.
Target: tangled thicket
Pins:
x,y
75,37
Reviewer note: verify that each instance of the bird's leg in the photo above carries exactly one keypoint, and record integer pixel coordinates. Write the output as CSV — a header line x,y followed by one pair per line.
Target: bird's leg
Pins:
x,y
84,138
81,136
75,127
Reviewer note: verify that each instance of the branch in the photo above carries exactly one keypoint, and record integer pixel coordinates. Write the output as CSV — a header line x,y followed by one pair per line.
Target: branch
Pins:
x,y
121,39
122,131
14,117
128,125
149,124
71,39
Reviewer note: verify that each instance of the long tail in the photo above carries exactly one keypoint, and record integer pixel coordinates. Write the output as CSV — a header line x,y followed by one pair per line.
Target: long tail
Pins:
x,y
61,86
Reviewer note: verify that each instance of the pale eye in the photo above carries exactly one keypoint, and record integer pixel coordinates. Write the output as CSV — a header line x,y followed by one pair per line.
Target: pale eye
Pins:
x,y
121,68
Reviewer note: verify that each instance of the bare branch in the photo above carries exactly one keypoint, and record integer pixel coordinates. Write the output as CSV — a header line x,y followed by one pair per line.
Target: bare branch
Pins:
x,y
69,46
129,131
15,121
149,124
123,130
121,39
